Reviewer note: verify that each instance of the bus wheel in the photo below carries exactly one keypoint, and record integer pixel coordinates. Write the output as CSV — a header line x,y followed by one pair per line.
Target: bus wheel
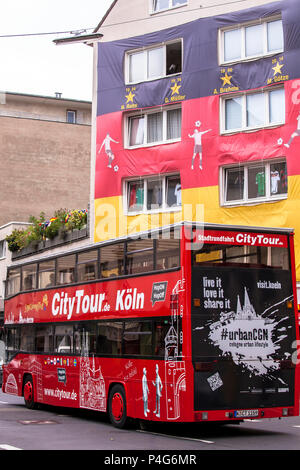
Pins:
x,y
117,408
29,393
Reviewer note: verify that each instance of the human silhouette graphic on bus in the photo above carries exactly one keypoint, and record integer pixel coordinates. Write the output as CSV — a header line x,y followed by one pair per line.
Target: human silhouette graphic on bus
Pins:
x,y
158,385
145,392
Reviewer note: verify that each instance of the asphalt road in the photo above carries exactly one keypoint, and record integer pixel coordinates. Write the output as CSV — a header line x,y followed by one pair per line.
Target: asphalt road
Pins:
x,y
58,429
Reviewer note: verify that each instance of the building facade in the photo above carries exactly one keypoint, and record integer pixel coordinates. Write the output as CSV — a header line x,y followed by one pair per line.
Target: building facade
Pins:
x,y
197,115
45,153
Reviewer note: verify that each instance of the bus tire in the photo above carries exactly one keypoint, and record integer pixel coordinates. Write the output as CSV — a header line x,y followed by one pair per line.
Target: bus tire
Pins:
x,y
28,392
117,407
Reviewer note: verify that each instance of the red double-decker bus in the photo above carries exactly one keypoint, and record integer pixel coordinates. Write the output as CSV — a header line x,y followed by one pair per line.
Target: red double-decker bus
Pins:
x,y
188,323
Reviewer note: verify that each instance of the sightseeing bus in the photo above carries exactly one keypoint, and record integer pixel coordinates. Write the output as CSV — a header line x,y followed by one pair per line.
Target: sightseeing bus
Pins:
x,y
182,324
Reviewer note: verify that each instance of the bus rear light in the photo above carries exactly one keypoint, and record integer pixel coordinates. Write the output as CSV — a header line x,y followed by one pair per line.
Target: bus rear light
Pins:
x,y
197,302
204,415
288,412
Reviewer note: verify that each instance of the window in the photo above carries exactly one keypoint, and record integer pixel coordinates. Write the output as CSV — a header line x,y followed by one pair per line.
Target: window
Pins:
x,y
251,41
44,338
154,62
85,338
109,340
13,282
87,266
257,181
168,252
2,248
151,128
12,341
47,274
63,339
253,110
71,117
139,256
27,338
112,260
255,256
29,276
66,269
137,338
153,193
160,5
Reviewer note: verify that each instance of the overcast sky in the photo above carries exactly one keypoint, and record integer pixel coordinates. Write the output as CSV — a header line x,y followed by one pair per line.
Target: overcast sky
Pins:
x,y
35,65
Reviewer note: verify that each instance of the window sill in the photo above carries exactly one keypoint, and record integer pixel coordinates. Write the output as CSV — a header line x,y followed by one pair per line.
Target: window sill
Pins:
x,y
155,211
255,201
168,9
152,144
251,129
249,59
171,75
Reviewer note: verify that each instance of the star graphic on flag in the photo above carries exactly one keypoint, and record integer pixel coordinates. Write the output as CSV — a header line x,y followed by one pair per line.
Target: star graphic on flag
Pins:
x,y
277,68
226,79
130,97
175,89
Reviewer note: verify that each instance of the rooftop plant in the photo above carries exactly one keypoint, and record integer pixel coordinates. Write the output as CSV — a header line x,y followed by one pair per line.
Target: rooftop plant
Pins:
x,y
41,229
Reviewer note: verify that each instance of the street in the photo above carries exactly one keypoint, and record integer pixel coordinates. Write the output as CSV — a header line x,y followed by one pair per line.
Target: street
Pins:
x,y
57,429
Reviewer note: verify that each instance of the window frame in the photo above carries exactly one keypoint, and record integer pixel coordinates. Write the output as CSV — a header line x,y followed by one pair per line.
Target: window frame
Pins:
x,y
145,51
73,113
144,210
246,200
242,27
3,249
144,114
170,7
267,124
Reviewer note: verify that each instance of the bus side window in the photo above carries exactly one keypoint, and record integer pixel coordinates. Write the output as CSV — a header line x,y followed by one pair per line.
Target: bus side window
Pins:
x,y
63,339
46,274
167,253
109,339
139,256
44,338
161,329
66,269
137,338
27,338
112,260
12,340
87,266
29,276
13,283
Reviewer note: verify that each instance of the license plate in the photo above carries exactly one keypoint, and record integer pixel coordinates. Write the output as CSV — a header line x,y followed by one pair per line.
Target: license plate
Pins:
x,y
246,414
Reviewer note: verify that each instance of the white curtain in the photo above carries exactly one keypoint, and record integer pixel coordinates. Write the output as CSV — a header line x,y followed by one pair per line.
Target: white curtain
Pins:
x,y
173,124
154,127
